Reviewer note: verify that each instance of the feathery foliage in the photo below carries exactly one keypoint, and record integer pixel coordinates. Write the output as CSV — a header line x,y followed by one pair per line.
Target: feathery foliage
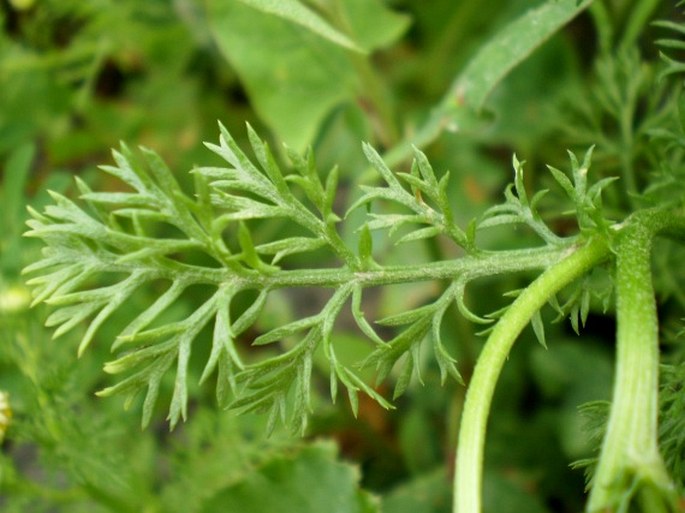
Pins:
x,y
182,274
116,235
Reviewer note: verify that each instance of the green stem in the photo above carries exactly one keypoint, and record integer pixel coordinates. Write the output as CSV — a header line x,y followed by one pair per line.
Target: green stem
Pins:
x,y
630,452
471,267
469,457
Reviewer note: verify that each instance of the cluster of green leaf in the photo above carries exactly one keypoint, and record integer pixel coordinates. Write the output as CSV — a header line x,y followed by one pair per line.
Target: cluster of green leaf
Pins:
x,y
122,241
282,279
64,451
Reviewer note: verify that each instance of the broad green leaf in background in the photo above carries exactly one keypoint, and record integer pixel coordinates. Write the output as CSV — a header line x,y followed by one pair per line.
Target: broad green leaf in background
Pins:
x,y
310,481
296,12
430,493
502,494
512,45
293,77
574,373
371,24
504,51
427,493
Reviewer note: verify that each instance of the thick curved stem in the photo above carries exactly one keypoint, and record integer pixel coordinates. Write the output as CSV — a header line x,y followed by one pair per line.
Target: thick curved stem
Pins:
x,y
630,454
469,457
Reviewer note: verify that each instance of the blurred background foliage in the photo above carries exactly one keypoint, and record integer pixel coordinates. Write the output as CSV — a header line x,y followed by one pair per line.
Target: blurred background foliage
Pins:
x,y
77,76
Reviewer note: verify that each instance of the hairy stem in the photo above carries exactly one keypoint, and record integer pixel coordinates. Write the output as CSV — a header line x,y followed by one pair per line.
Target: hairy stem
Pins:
x,y
630,453
469,457
470,267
